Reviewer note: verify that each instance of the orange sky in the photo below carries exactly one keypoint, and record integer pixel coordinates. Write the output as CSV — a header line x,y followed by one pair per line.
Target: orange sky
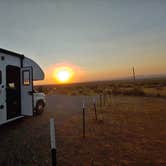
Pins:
x,y
82,75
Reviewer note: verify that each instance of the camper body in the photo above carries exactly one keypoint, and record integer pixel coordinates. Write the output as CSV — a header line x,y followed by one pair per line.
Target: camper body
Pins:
x,y
17,96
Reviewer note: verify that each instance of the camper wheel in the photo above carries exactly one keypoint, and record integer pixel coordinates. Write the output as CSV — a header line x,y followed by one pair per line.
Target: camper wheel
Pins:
x,y
39,107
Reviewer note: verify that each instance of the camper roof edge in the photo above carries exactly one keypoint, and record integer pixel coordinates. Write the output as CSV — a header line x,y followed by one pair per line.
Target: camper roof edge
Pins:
x,y
11,53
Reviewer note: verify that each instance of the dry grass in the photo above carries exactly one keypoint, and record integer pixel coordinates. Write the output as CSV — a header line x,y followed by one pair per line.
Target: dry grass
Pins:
x,y
147,87
131,132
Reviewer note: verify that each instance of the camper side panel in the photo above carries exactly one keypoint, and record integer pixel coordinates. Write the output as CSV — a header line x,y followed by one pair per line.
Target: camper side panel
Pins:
x,y
5,60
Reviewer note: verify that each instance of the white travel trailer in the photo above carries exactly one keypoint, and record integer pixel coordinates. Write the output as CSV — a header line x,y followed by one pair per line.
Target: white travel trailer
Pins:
x,y
17,97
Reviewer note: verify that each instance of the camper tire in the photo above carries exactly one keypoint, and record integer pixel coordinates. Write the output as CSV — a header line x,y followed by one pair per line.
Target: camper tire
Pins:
x,y
39,107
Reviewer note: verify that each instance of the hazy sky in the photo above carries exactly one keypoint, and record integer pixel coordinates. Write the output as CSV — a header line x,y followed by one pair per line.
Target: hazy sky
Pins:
x,y
104,38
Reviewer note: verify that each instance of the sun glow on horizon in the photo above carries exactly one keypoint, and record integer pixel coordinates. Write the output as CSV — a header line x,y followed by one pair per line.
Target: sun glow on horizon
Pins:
x,y
63,74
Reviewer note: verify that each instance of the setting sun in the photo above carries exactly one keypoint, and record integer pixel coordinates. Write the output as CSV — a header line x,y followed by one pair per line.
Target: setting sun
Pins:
x,y
63,74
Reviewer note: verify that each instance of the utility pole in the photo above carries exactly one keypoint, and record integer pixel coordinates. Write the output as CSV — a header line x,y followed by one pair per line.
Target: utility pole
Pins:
x,y
134,74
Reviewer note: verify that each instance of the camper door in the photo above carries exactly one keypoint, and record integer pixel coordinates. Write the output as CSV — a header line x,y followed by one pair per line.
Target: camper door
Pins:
x,y
2,93
26,91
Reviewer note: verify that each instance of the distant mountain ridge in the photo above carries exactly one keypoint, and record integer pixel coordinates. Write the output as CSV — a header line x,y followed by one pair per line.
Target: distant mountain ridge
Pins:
x,y
151,76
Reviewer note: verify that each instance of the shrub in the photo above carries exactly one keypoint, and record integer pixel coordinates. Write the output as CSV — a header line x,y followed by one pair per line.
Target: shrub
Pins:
x,y
136,91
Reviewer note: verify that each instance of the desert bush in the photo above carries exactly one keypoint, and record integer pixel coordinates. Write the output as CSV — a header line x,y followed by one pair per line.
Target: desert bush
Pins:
x,y
98,89
42,89
158,95
116,90
136,91
73,93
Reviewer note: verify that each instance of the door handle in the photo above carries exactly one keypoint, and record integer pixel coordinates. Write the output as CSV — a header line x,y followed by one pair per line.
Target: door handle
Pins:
x,y
1,106
30,92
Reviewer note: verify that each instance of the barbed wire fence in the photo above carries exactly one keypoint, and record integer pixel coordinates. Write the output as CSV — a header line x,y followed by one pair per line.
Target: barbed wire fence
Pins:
x,y
97,104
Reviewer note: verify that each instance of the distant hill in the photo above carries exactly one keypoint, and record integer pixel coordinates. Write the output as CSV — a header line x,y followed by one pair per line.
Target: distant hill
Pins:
x,y
142,77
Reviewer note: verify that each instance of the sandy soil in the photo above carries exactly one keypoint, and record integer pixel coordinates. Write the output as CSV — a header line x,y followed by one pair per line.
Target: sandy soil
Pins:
x,y
129,131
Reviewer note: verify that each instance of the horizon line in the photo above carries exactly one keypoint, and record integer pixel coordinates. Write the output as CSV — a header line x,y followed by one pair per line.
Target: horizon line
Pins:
x,y
129,78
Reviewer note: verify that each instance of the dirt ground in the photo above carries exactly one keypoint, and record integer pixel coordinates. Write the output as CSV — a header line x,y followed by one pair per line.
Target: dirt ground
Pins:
x,y
129,131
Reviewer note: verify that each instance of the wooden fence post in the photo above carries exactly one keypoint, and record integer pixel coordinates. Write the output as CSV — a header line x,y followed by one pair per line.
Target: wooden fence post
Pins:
x,y
100,100
83,120
94,104
104,98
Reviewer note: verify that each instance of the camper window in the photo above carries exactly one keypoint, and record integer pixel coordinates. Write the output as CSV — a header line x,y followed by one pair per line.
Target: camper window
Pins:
x,y
12,85
0,77
26,78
